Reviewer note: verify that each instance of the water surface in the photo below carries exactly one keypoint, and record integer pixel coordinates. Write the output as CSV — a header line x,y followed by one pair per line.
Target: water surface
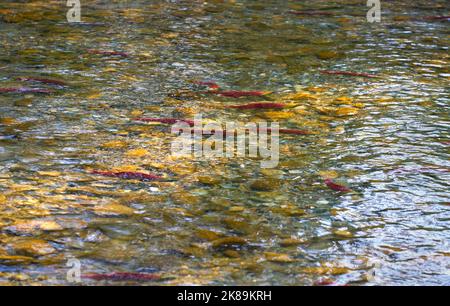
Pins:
x,y
387,138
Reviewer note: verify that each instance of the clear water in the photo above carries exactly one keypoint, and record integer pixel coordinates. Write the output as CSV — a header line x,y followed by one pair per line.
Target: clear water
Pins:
x,y
393,150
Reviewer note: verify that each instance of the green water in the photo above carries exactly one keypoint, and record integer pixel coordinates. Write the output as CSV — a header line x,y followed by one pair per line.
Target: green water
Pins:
x,y
386,138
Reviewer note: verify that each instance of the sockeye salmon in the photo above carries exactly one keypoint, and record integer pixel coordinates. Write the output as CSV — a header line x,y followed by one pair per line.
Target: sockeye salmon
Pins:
x,y
42,80
349,73
259,106
122,276
129,175
25,90
336,187
166,120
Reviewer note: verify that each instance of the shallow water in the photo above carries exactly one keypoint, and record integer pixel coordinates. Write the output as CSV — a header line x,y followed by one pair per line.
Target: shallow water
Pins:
x,y
387,138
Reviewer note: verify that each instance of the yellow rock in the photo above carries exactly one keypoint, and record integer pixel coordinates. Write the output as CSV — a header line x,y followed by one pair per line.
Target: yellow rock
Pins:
x,y
231,254
291,242
137,153
180,211
207,235
278,115
326,270
194,251
265,184
32,247
146,54
343,233
325,110
316,89
301,111
331,174
170,35
276,257
209,180
109,69
126,168
344,20
14,260
385,100
236,209
50,173
345,100
136,113
391,248
117,144
95,95
272,173
31,226
339,130
300,96
334,212
325,55
129,78
19,278
142,197
157,165
184,198
296,212
228,241
8,121
152,108
289,210
347,111
131,12
401,18
240,226
24,102
113,210
21,188
5,12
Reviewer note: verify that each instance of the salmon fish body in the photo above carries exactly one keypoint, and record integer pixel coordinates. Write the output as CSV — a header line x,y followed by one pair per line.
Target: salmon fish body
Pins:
x,y
437,18
259,130
239,94
42,80
210,85
166,120
294,132
251,106
25,90
336,187
348,73
109,53
122,276
129,175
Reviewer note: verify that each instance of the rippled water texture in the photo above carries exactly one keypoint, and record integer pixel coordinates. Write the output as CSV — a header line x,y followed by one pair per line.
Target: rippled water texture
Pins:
x,y
225,221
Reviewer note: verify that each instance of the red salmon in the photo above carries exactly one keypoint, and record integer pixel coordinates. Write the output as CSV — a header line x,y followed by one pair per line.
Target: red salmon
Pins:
x,y
238,94
336,187
166,120
25,90
42,80
348,73
129,175
122,276
210,85
259,106
109,53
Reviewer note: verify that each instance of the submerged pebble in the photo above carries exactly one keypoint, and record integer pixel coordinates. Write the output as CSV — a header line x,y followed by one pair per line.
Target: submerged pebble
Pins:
x,y
229,241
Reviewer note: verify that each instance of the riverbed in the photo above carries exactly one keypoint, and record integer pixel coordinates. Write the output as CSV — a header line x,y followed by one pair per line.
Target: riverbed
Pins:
x,y
382,131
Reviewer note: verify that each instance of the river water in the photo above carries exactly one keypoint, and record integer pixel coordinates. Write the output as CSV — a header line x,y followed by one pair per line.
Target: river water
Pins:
x,y
225,221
